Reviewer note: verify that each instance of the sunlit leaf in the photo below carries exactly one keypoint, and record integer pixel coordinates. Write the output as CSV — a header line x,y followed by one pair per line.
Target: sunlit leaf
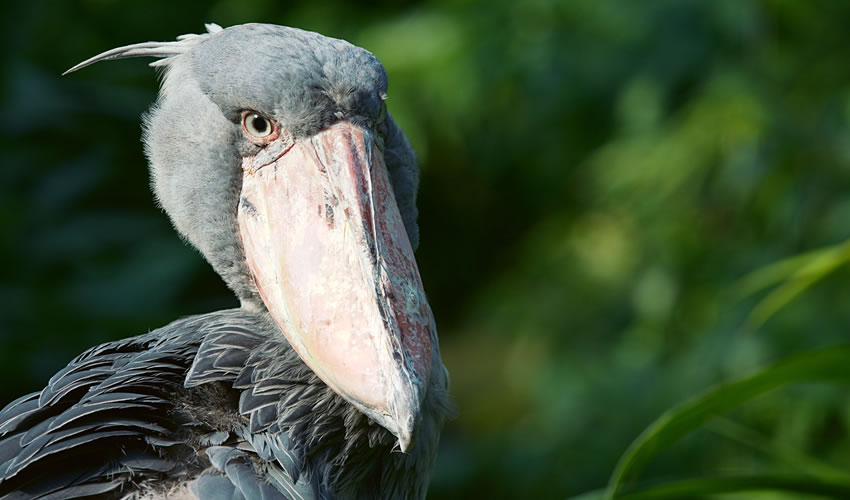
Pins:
x,y
795,275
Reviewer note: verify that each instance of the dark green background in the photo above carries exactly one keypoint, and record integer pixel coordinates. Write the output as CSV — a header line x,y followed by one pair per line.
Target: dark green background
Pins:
x,y
598,177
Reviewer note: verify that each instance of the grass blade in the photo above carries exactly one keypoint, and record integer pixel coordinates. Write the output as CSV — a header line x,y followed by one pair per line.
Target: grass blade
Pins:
x,y
698,488
792,277
829,364
783,270
793,458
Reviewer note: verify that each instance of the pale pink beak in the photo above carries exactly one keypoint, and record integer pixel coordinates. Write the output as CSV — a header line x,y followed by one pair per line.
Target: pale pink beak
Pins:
x,y
325,242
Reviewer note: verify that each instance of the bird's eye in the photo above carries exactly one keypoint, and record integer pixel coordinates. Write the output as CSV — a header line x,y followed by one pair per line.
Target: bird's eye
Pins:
x,y
259,129
257,125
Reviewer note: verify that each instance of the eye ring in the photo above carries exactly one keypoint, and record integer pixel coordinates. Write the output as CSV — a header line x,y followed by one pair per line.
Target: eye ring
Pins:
x,y
258,128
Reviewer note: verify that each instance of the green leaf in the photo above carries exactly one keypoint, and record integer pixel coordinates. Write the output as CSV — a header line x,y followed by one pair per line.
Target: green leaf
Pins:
x,y
830,364
793,276
697,488
777,272
795,459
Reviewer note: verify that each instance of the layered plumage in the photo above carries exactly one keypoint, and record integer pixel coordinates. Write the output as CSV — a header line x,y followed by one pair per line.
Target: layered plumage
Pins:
x,y
220,405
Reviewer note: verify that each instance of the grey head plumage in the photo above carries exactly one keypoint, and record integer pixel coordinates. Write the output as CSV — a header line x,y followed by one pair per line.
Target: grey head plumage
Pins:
x,y
192,134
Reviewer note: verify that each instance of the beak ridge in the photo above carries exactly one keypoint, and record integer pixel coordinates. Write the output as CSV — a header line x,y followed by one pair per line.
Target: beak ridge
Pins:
x,y
329,253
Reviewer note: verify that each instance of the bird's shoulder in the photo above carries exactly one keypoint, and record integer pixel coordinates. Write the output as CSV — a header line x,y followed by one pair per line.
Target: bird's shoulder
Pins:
x,y
144,413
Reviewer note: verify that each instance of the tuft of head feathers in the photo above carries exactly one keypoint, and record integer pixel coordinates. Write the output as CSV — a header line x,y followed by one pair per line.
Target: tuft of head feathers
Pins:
x,y
162,50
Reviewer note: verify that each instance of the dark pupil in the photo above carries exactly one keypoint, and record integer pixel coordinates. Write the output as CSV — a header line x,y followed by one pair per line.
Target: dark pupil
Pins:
x,y
259,123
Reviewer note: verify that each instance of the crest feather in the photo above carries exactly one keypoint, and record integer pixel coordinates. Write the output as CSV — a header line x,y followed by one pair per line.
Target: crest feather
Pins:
x,y
162,50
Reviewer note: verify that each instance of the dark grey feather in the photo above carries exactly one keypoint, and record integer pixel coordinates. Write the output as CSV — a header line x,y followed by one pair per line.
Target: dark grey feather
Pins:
x,y
89,490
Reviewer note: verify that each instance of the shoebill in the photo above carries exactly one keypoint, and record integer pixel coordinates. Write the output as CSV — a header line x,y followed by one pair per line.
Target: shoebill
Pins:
x,y
272,151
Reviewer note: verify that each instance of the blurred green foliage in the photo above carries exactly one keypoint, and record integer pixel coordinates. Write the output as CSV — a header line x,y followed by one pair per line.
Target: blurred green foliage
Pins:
x,y
622,204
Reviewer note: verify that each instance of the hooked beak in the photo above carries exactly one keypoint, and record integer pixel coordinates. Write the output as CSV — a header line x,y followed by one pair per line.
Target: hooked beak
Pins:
x,y
328,251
